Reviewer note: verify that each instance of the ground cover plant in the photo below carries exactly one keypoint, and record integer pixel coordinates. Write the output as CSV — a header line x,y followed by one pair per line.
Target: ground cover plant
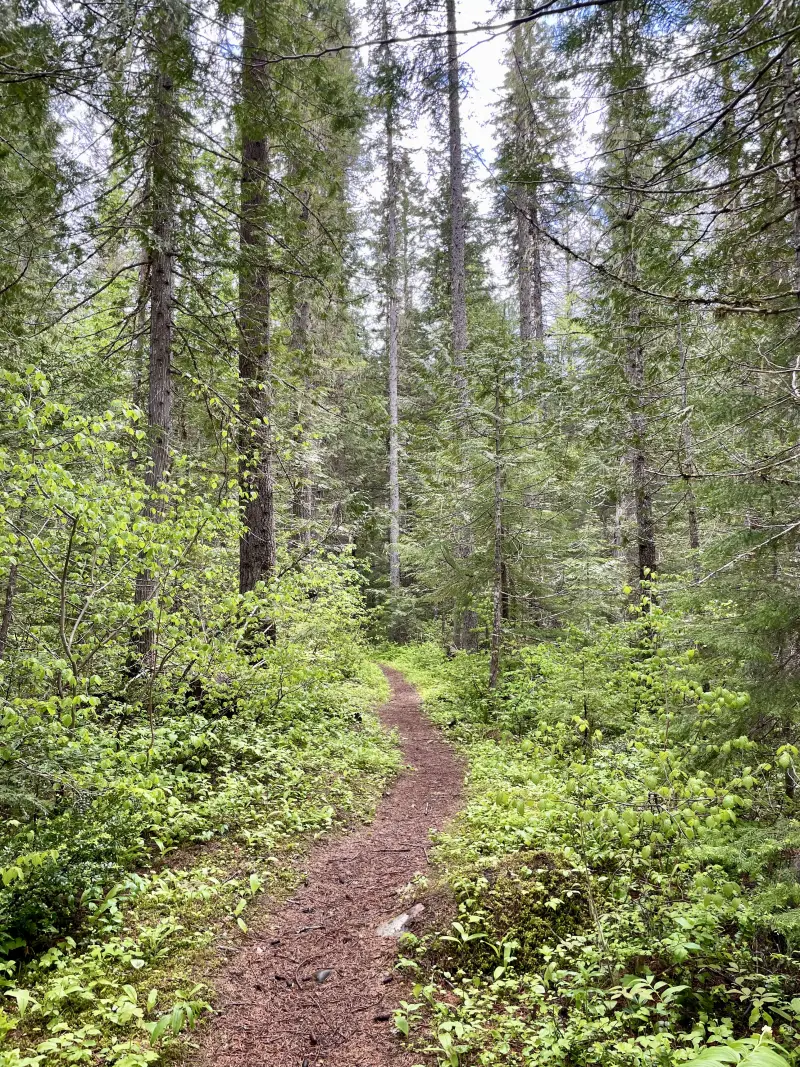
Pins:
x,y
625,874
159,761
111,906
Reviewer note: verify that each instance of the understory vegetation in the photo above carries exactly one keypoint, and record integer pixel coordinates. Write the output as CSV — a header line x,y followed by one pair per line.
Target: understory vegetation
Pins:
x,y
625,876
468,328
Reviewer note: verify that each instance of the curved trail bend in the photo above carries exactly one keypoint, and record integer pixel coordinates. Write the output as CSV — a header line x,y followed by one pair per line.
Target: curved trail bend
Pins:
x,y
274,1011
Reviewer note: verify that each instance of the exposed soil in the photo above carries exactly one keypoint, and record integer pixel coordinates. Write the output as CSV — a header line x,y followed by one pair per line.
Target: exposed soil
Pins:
x,y
277,1006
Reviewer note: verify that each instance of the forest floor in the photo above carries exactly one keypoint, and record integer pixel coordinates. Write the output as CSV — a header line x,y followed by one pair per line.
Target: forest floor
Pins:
x,y
317,986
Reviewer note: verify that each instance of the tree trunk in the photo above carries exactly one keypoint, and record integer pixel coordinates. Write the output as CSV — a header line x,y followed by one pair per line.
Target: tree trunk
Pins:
x,y
687,464
163,181
7,616
529,265
302,490
465,623
458,264
393,337
792,113
256,481
637,429
498,583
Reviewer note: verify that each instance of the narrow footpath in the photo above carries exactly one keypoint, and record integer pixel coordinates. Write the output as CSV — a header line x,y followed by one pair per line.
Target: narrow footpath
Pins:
x,y
318,987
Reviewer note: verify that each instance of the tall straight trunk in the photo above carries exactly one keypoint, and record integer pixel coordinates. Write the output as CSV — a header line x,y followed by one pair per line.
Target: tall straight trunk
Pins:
x,y
161,254
466,621
529,269
458,253
303,490
7,616
687,464
529,265
498,579
637,448
792,123
635,378
528,247
393,344
256,480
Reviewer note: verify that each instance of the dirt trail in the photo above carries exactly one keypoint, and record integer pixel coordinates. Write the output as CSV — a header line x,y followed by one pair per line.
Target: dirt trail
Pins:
x,y
277,1006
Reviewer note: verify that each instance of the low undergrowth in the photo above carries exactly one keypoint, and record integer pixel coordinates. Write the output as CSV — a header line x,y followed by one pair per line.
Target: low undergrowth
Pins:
x,y
142,824
626,870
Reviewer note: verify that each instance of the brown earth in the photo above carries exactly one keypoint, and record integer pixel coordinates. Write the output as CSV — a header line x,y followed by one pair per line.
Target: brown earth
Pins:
x,y
277,1006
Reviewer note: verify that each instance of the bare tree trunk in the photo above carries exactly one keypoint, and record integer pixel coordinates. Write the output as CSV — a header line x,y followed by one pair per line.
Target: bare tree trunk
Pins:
x,y
257,489
303,490
687,464
7,616
498,583
637,450
140,331
536,274
524,269
529,266
465,623
531,310
458,254
163,180
792,113
393,337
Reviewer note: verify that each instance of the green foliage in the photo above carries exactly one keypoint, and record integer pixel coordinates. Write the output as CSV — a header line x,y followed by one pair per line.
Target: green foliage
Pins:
x,y
108,765
620,872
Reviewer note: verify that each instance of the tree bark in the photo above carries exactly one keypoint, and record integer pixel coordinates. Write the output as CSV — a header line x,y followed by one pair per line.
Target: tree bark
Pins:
x,y
458,254
531,310
498,583
634,356
7,616
792,122
303,490
687,464
256,479
637,429
393,345
161,254
465,623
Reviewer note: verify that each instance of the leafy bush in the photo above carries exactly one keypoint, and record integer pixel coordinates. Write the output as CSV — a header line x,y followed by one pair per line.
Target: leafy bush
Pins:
x,y
247,725
623,872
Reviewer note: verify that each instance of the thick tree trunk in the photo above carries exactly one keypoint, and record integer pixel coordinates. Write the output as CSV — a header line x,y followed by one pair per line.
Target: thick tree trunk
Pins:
x,y
465,624
531,309
393,344
161,254
257,489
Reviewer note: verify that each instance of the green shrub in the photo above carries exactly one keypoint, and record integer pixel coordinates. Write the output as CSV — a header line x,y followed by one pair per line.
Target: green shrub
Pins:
x,y
624,869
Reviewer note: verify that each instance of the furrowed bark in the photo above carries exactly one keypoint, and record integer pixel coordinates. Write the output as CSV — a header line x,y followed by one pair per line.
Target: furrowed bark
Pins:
x,y
393,343
161,254
256,479
498,583
465,622
458,254
303,490
792,127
